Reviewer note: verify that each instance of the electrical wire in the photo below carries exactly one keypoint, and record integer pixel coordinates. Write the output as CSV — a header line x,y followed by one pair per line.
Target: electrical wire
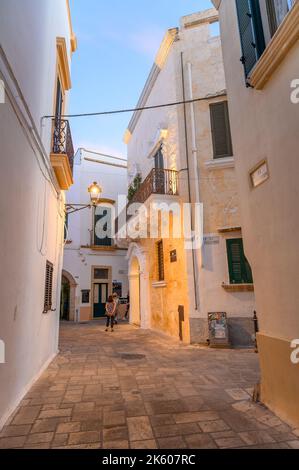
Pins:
x,y
142,108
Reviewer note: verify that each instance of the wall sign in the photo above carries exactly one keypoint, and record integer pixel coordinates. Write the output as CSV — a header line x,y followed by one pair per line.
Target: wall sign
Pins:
x,y
259,174
218,330
211,240
85,296
173,256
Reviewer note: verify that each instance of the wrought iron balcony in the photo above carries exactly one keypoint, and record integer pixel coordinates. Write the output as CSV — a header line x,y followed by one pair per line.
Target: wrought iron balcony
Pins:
x,y
62,140
158,181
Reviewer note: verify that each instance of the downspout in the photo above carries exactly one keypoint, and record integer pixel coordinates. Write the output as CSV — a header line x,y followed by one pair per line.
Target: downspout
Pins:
x,y
189,185
194,154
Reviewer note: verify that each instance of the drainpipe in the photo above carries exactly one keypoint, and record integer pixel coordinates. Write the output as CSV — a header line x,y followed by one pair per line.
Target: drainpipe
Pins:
x,y
194,263
194,146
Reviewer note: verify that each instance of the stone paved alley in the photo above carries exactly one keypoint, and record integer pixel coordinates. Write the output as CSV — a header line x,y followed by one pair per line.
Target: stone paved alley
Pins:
x,y
138,389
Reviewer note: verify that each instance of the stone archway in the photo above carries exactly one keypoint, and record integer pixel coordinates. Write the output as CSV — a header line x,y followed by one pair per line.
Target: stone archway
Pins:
x,y
72,294
139,286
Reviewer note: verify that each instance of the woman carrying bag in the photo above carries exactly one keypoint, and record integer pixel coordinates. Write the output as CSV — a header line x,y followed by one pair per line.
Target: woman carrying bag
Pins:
x,y
110,312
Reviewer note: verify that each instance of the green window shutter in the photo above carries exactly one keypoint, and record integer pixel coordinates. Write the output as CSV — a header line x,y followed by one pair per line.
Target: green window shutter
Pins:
x,y
99,214
239,268
221,135
251,32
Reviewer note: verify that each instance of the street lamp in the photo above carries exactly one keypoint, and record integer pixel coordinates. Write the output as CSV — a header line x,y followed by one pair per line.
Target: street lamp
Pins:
x,y
95,192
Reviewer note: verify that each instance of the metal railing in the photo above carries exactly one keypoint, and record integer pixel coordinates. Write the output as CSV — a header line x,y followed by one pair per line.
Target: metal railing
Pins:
x,y
158,181
62,139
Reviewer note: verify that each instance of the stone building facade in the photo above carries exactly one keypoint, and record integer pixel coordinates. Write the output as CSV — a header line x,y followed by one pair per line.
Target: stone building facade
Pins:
x,y
183,155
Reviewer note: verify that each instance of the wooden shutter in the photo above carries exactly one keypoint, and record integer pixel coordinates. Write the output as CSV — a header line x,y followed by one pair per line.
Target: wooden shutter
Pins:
x,y
251,32
239,268
221,135
160,255
48,287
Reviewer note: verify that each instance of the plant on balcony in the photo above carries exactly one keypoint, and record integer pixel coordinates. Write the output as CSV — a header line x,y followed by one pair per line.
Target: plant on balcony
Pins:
x,y
134,186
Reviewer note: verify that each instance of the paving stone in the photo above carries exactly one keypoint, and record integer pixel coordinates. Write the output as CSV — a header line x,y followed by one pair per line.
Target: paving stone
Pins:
x,y
114,418
82,407
256,437
91,425
60,440
39,438
12,442
161,420
238,394
200,441
229,442
86,437
27,415
293,444
139,428
213,426
116,445
55,413
172,443
149,444
14,431
196,416
65,428
117,433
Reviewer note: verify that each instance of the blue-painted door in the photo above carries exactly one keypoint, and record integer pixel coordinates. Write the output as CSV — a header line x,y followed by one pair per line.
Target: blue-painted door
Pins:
x,y
100,297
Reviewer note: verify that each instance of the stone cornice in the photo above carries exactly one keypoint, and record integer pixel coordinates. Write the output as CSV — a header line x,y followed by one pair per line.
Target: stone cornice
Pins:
x,y
160,60
216,3
278,48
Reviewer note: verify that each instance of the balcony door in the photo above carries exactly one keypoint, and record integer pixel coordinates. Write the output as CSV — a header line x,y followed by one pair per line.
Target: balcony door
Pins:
x,y
159,181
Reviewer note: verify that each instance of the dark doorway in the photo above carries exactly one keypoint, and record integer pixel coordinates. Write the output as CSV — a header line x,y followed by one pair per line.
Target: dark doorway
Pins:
x,y
65,299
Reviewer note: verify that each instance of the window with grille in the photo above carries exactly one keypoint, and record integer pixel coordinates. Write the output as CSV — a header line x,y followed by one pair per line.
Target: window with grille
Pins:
x,y
160,256
48,287
221,136
239,268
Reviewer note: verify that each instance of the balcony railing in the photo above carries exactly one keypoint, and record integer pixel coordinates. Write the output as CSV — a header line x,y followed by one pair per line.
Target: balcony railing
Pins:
x,y
62,140
158,181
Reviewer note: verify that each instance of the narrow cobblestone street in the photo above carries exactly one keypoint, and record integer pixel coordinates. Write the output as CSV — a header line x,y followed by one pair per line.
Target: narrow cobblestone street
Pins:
x,y
138,389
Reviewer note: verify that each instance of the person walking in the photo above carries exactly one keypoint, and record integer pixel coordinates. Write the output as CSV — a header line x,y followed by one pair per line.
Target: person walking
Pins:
x,y
110,312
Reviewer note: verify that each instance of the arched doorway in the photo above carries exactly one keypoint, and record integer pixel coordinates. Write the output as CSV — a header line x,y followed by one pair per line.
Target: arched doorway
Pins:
x,y
68,297
139,286
134,279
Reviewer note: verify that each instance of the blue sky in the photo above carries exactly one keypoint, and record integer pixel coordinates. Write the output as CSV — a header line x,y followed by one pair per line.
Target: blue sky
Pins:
x,y
117,44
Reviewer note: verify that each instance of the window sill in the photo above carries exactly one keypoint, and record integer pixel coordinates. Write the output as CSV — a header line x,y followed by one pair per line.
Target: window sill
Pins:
x,y
220,163
238,287
278,48
100,248
158,284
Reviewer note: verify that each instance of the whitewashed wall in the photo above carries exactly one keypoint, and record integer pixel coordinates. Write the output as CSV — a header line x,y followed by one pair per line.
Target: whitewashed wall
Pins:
x,y
31,210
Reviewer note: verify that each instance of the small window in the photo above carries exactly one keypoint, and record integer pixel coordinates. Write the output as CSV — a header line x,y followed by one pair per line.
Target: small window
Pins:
x,y
239,268
160,257
48,287
221,135
100,273
85,296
